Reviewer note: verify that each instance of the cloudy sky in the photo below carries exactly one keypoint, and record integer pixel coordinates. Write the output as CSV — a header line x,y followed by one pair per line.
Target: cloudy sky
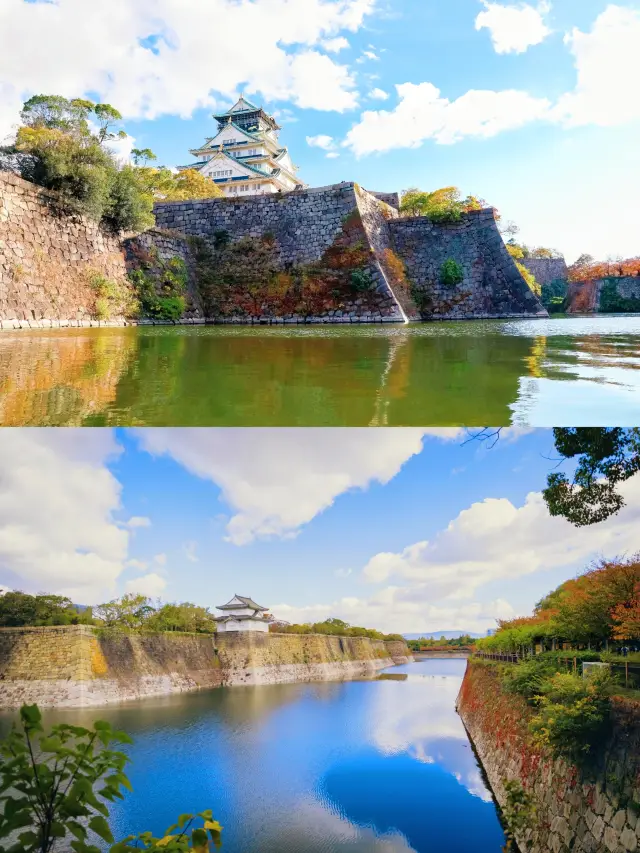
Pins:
x,y
532,105
400,529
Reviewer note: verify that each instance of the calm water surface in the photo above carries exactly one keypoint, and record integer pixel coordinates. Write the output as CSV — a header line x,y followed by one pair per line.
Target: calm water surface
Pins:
x,y
380,766
559,372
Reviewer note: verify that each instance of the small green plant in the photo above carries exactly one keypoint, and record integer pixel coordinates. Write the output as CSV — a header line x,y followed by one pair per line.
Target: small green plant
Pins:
x,y
112,298
362,280
451,273
49,792
422,299
48,783
221,239
102,310
518,812
160,290
177,837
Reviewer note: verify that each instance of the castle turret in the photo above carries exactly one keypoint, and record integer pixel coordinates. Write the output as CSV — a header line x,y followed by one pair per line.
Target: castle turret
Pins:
x,y
243,614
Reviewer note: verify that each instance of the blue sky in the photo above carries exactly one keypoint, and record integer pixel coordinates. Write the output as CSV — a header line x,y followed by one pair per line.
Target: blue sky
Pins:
x,y
400,529
557,155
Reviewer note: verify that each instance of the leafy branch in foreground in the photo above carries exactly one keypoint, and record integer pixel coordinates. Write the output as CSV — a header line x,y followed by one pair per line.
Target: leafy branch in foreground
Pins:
x,y
48,782
605,457
48,792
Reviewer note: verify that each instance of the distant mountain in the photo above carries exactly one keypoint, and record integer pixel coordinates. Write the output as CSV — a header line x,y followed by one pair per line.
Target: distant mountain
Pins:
x,y
448,635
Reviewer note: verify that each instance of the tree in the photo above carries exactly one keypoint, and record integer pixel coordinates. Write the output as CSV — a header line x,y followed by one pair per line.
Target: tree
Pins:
x,y
185,617
56,148
443,205
130,611
161,184
19,608
606,457
626,617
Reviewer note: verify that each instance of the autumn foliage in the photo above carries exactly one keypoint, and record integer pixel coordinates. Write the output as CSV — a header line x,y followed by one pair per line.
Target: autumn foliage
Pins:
x,y
588,269
600,605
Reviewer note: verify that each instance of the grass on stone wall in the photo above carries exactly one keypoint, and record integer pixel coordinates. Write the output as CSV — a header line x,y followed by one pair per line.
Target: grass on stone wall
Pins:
x,y
245,277
611,302
160,286
112,298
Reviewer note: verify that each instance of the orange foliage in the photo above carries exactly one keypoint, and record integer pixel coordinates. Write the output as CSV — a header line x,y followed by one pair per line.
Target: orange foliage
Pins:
x,y
626,617
604,269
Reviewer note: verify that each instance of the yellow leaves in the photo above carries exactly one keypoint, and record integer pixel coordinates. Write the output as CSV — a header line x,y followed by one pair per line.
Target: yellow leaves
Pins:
x,y
213,825
166,840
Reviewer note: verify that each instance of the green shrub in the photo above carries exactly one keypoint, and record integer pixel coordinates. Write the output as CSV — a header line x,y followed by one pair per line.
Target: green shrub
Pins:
x,y
451,273
160,288
528,677
170,307
573,715
611,302
553,295
361,280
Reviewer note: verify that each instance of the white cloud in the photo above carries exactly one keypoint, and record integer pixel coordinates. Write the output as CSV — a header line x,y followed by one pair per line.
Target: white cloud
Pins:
x,y
137,565
150,59
494,540
368,54
151,585
335,45
58,502
608,83
327,143
138,521
343,573
160,559
607,91
433,583
514,28
378,94
399,610
278,480
190,551
424,114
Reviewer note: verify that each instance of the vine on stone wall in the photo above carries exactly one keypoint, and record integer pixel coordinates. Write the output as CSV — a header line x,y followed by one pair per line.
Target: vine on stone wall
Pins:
x,y
244,277
160,285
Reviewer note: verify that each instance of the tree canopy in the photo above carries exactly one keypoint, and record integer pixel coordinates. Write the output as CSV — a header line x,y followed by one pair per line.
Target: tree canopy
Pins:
x,y
605,457
64,145
19,608
443,205
586,268
598,606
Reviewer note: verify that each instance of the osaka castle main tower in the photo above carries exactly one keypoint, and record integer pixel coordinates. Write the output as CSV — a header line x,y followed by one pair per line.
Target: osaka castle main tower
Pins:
x,y
244,157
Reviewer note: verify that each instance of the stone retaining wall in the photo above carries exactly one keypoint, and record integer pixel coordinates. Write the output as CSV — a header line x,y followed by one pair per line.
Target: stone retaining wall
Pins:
x,y
547,270
585,297
312,232
76,666
575,811
492,286
48,258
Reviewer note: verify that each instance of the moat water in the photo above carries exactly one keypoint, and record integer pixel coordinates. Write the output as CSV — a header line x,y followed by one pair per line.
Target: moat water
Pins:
x,y
566,371
376,766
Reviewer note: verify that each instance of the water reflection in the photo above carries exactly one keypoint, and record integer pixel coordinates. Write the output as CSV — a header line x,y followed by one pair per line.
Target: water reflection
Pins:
x,y
567,371
380,765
